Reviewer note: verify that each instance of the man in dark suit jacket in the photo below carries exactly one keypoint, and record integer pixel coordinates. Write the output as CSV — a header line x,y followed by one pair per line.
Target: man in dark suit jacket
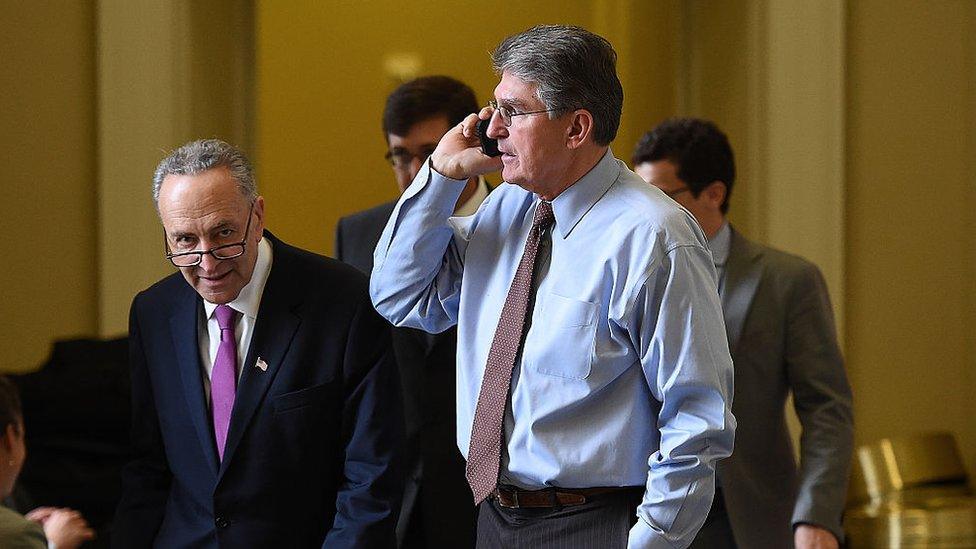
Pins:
x,y
437,509
782,337
266,407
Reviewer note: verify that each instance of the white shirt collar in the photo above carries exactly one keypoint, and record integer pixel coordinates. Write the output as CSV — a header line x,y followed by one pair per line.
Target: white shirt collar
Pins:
x,y
473,202
249,300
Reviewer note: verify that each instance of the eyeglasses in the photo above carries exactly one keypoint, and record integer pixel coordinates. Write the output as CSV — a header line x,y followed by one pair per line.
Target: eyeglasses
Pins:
x,y
401,159
226,251
676,192
507,113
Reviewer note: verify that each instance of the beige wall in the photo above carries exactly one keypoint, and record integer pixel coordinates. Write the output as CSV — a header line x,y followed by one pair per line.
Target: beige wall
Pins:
x,y
81,237
322,82
98,92
854,125
911,215
720,75
93,95
48,212
771,74
169,71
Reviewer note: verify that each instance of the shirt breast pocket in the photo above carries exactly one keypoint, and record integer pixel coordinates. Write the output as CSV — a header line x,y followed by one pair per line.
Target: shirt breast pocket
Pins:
x,y
563,337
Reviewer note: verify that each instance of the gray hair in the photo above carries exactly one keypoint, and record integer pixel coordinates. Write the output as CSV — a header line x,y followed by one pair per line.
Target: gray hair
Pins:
x,y
572,69
206,154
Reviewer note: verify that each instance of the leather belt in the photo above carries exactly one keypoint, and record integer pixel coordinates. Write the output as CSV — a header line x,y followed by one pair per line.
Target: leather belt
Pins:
x,y
515,498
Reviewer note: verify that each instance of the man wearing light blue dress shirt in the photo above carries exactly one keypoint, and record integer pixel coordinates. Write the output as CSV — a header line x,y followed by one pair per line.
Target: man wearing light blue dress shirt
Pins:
x,y
618,398
782,336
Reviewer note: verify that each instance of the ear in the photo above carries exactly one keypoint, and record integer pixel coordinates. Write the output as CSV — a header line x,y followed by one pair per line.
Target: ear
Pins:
x,y
715,193
580,128
7,439
258,225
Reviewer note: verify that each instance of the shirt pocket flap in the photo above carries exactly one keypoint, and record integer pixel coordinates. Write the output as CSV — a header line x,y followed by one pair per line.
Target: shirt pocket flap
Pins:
x,y
565,312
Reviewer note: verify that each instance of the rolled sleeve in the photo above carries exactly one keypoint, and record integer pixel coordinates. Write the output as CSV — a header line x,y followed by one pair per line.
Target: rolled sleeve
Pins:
x,y
688,369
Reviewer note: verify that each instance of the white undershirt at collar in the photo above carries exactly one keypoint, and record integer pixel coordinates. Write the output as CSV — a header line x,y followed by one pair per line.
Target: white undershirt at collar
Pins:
x,y
473,202
248,303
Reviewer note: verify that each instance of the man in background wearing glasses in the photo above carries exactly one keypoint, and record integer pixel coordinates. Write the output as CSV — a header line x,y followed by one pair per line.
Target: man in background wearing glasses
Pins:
x,y
437,509
594,377
266,407
783,340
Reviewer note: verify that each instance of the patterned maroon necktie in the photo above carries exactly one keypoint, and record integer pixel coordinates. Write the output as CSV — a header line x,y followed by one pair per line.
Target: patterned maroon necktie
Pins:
x,y
484,452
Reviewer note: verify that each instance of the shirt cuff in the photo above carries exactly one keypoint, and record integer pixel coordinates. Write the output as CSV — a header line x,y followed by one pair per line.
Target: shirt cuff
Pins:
x,y
437,174
440,192
642,536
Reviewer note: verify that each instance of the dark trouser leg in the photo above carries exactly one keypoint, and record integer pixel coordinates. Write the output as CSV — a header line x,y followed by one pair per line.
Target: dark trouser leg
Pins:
x,y
717,531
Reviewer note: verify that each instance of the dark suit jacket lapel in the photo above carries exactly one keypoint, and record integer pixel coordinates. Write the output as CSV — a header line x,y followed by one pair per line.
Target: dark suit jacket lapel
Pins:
x,y
183,327
367,242
276,326
743,271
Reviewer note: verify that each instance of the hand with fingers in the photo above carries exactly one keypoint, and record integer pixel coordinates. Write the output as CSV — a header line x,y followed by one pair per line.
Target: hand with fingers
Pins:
x,y
809,536
458,154
64,528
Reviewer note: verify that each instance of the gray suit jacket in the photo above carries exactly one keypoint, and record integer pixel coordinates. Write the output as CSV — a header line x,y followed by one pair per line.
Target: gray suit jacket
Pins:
x,y
16,532
782,337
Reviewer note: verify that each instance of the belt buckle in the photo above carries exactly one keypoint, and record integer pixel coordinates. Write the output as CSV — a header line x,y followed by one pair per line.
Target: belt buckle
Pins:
x,y
501,494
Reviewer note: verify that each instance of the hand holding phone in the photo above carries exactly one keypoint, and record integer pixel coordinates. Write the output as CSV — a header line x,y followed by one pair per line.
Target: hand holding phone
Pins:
x,y
489,146
460,153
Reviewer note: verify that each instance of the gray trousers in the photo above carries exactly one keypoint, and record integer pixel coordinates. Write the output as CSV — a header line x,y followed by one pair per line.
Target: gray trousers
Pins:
x,y
604,521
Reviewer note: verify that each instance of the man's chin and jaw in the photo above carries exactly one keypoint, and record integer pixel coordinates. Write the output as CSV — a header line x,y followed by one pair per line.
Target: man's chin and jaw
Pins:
x,y
510,171
519,143
224,284
547,178
197,205
533,155
539,153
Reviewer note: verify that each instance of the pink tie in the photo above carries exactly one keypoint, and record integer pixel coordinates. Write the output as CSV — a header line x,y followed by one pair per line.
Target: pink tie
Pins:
x,y
223,380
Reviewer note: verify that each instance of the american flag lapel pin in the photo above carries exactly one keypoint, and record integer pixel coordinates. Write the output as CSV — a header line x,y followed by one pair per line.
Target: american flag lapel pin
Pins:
x,y
261,365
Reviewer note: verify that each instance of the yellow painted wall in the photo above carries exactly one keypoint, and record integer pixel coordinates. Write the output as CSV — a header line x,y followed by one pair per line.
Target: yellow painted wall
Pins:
x,y
911,215
321,87
320,84
718,83
169,71
82,143
642,33
48,212
906,216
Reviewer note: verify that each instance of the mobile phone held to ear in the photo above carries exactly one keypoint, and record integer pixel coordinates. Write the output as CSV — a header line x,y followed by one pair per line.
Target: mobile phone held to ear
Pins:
x,y
489,146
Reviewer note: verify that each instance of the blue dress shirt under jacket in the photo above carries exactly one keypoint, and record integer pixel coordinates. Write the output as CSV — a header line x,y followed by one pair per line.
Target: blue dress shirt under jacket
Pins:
x,y
625,377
